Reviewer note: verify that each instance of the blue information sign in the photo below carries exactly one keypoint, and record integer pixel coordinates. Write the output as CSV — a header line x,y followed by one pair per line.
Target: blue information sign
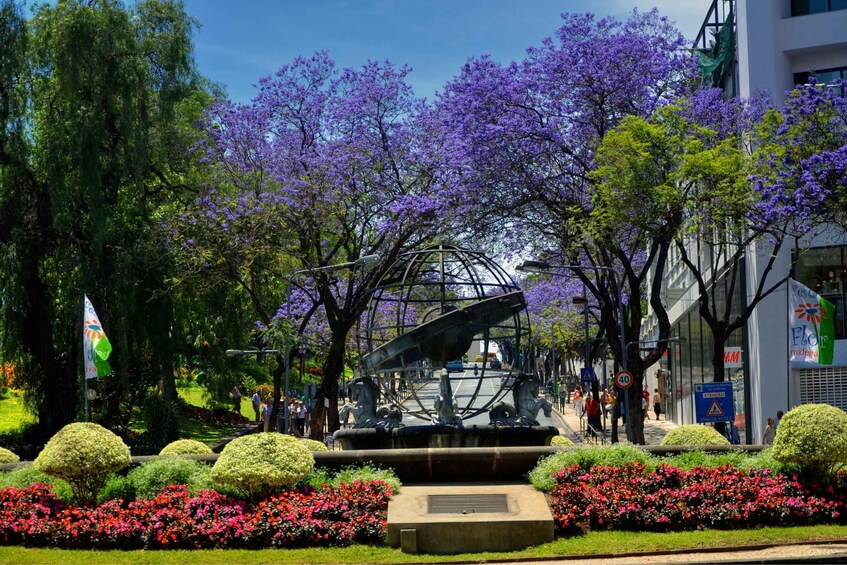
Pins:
x,y
586,375
713,402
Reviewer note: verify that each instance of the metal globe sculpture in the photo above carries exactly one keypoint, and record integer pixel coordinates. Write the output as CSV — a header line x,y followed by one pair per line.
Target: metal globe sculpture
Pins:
x,y
426,311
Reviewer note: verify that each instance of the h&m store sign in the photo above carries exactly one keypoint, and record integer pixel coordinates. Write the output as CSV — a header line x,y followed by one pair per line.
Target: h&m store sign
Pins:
x,y
732,358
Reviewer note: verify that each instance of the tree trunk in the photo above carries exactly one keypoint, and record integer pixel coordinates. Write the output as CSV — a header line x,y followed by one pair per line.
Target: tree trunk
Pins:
x,y
57,380
328,389
717,366
278,396
635,415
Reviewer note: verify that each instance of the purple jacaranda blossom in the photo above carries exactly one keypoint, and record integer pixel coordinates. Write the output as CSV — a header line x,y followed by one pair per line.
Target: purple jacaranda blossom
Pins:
x,y
803,158
523,138
322,167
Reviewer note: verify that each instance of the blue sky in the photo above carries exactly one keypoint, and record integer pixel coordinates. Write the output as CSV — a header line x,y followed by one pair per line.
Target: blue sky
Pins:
x,y
240,41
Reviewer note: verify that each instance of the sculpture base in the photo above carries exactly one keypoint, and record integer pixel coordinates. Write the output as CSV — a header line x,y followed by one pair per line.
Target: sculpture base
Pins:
x,y
438,436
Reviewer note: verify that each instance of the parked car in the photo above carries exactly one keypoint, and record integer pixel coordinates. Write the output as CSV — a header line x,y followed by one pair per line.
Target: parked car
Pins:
x,y
496,364
456,366
507,380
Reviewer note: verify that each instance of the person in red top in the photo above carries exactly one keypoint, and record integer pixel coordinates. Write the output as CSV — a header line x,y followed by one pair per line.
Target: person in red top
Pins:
x,y
592,410
645,399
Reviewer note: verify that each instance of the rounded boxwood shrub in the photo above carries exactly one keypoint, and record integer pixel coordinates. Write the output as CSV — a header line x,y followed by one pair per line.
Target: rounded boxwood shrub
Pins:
x,y
814,436
694,434
314,445
7,456
83,454
558,441
186,447
263,462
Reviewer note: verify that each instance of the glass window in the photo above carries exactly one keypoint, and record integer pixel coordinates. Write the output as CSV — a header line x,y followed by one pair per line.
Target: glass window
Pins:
x,y
805,7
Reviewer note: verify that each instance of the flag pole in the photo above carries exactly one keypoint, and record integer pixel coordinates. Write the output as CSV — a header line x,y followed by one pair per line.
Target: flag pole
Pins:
x,y
84,375
787,342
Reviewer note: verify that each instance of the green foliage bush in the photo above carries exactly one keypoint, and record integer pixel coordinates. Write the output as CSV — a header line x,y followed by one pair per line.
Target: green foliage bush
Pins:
x,y
813,436
7,456
560,441
24,476
541,476
690,459
694,434
765,460
83,454
263,462
117,487
150,478
366,473
186,447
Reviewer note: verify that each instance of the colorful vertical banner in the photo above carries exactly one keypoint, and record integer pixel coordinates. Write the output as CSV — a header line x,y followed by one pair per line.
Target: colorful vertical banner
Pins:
x,y
811,328
95,345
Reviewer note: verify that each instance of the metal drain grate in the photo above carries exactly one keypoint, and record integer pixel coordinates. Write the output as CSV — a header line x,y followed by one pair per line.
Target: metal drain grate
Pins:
x,y
466,503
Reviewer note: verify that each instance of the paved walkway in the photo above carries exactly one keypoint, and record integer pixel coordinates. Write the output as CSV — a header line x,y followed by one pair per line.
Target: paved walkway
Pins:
x,y
574,428
800,553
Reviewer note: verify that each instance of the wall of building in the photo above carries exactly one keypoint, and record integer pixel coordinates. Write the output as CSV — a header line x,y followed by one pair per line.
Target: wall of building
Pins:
x,y
772,47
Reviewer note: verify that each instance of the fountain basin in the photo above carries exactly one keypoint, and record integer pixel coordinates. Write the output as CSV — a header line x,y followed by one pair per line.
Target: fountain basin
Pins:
x,y
442,436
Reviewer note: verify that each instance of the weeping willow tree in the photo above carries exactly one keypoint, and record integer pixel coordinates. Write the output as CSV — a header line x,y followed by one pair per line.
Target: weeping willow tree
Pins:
x,y
96,106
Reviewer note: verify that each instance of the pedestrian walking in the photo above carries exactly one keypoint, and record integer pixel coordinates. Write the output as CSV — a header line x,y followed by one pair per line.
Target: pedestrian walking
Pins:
x,y
657,403
578,402
257,405
645,398
267,408
610,401
770,433
592,410
301,418
779,416
236,399
732,434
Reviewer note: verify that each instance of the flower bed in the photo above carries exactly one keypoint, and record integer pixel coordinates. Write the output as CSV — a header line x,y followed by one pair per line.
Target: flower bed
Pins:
x,y
331,515
631,498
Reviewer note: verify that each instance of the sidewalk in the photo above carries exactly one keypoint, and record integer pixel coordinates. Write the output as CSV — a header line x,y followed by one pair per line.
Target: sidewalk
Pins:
x,y
572,428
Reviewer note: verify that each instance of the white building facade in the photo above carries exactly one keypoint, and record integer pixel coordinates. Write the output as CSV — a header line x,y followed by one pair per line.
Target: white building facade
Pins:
x,y
777,44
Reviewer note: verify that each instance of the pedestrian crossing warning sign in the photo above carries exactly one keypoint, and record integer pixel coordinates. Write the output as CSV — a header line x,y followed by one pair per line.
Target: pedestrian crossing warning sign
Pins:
x,y
713,402
715,409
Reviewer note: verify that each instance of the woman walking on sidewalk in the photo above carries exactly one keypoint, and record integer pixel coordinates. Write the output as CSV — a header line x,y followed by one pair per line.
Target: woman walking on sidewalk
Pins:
x,y
578,402
657,403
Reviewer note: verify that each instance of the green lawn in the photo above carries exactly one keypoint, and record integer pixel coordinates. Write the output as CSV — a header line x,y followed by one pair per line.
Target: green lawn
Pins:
x,y
195,429
194,396
592,543
13,413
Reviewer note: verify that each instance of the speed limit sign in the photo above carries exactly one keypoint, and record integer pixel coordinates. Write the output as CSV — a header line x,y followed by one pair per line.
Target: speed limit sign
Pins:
x,y
624,379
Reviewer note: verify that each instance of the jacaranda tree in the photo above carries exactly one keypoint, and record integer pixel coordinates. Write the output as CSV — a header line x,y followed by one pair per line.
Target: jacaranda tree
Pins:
x,y
528,133
339,165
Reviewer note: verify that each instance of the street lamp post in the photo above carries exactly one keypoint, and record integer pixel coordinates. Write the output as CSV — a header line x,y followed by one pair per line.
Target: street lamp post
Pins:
x,y
546,268
361,261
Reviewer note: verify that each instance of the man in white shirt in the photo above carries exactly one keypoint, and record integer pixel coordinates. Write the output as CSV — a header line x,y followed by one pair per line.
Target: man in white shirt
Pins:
x,y
257,405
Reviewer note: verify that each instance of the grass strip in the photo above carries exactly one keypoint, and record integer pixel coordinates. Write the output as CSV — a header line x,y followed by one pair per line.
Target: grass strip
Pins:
x,y
593,543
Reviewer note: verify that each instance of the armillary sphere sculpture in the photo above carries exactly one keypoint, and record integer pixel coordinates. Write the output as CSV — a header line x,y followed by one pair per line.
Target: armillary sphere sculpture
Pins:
x,y
427,311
